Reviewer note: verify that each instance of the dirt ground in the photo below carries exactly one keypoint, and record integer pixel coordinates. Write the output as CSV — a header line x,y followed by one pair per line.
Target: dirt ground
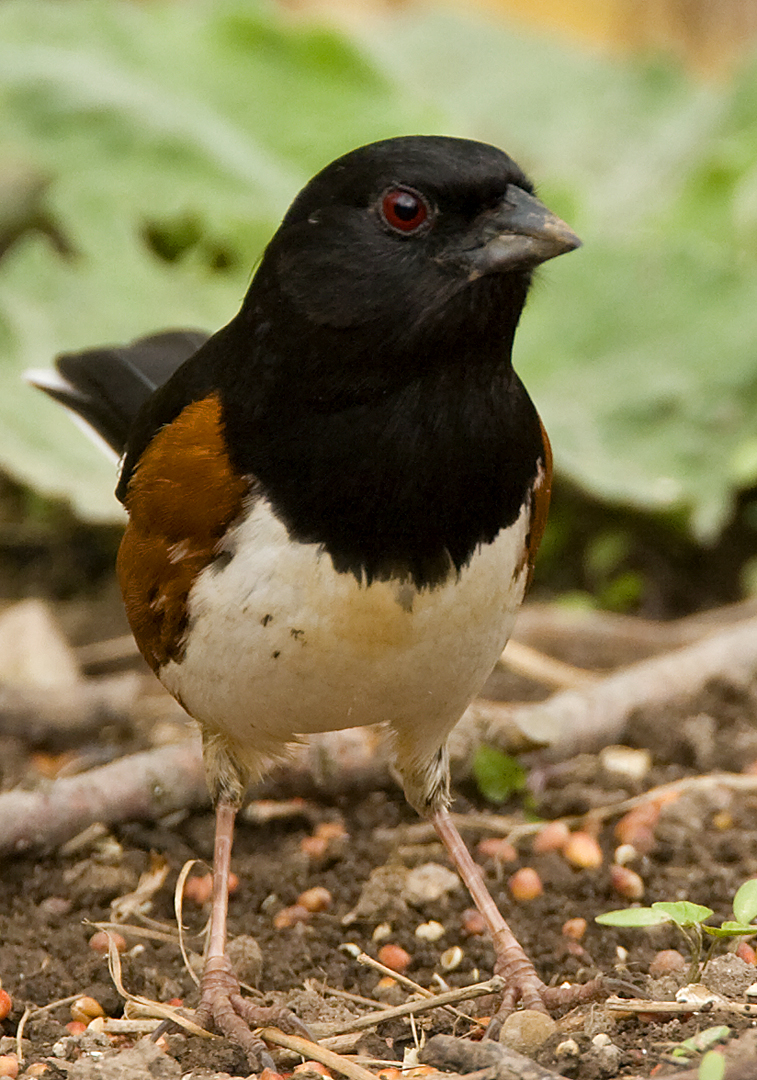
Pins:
x,y
700,846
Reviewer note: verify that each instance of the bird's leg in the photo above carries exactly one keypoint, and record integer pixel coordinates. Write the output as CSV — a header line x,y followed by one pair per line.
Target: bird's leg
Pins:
x,y
221,1003
522,982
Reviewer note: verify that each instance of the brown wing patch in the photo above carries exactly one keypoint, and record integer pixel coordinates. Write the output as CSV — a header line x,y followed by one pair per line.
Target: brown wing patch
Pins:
x,y
181,499
540,497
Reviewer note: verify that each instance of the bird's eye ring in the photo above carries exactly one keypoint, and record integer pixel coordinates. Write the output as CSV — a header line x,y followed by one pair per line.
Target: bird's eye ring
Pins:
x,y
404,210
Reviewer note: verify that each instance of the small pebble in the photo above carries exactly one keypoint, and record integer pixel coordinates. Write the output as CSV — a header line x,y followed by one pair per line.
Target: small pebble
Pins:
x,y
394,957
525,884
626,882
526,1030
430,931
626,763
666,962
582,850
428,883
290,916
8,1065
315,899
100,941
451,958
552,837
568,1049
6,1004
472,922
86,1009
574,928
495,847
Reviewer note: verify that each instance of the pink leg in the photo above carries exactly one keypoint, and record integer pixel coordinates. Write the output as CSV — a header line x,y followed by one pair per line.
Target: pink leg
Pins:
x,y
523,984
221,1003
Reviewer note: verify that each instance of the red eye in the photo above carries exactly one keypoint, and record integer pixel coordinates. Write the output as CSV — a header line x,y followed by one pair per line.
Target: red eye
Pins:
x,y
404,210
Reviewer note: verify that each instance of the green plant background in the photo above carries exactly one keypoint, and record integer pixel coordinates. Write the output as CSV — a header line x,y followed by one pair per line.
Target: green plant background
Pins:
x,y
148,151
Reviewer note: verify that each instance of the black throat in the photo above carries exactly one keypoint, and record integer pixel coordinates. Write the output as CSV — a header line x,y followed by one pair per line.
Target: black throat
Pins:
x,y
399,458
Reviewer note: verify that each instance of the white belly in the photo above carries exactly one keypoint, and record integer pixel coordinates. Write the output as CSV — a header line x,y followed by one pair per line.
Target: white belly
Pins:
x,y
282,645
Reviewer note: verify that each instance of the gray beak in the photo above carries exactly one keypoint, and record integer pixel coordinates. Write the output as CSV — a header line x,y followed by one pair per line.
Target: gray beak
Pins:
x,y
518,234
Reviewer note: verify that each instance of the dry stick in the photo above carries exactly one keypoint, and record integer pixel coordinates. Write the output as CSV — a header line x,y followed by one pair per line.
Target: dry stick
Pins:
x,y
678,1008
312,1051
452,997
524,660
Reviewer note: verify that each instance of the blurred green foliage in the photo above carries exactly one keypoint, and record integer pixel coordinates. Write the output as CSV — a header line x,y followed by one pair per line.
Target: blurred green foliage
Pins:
x,y
148,151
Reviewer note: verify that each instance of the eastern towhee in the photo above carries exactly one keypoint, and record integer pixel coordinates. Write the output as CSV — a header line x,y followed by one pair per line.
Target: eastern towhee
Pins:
x,y
335,501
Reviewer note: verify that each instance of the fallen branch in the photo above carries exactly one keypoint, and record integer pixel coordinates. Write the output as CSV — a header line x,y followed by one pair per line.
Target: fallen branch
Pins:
x,y
458,1055
141,786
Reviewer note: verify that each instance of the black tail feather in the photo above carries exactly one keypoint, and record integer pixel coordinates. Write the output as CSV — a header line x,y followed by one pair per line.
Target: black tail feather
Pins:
x,y
107,387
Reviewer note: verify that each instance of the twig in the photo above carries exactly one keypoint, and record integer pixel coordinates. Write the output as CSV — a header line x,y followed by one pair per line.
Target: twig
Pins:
x,y
677,1008
524,660
315,1052
452,997
368,961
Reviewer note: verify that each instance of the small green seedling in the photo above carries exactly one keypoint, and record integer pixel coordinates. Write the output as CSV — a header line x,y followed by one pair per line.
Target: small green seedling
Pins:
x,y
701,1042
712,1066
690,919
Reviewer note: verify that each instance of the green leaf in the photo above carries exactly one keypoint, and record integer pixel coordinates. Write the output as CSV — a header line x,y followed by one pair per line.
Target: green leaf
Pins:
x,y
745,902
712,1066
633,917
705,1039
731,929
683,912
497,775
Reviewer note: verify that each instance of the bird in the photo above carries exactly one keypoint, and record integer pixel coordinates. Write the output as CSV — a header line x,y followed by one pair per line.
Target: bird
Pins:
x,y
335,501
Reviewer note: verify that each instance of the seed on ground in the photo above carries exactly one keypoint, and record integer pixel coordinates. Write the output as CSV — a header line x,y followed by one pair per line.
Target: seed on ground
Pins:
x,y
574,928
666,962
626,882
394,957
315,899
6,1004
290,916
86,1008
494,847
430,931
8,1065
582,850
552,837
525,884
100,941
451,959
472,922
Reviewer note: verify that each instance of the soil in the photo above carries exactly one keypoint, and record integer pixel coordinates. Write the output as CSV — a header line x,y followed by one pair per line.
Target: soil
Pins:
x,y
701,848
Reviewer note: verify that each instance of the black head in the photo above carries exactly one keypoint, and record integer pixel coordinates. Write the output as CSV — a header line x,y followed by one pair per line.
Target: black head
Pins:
x,y
397,236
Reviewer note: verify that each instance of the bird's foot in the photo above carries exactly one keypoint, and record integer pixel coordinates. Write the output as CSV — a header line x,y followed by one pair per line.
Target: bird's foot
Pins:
x,y
223,1008
523,985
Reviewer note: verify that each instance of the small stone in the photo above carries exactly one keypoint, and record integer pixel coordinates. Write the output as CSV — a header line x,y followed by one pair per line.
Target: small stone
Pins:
x,y
394,957
428,883
525,884
582,850
451,958
526,1030
626,882
568,1050
666,962
430,931
553,837
626,764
